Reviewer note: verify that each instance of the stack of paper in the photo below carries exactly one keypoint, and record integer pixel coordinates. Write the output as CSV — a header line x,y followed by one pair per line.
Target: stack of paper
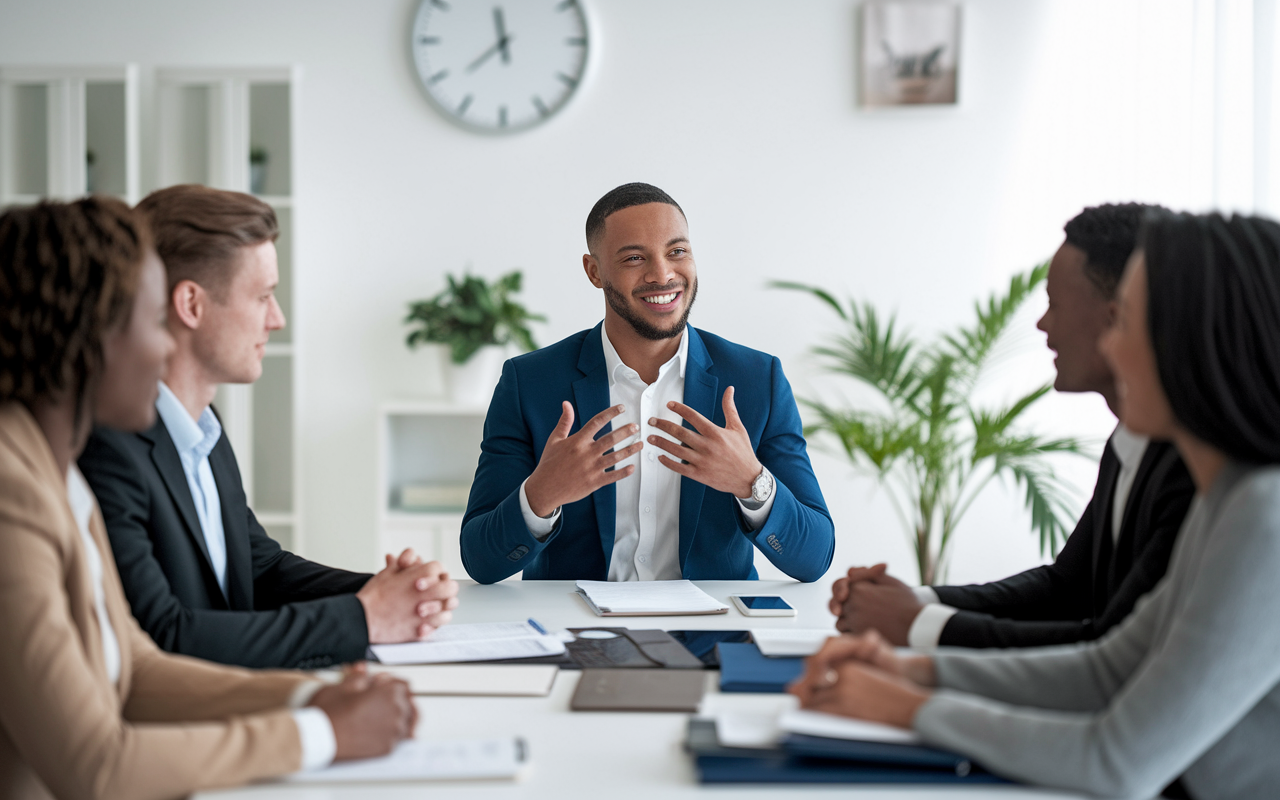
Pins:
x,y
648,598
418,760
485,641
489,680
830,726
785,642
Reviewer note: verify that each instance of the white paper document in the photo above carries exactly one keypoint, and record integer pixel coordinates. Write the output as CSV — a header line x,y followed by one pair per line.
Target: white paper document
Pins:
x,y
648,598
815,723
492,680
484,641
790,642
419,760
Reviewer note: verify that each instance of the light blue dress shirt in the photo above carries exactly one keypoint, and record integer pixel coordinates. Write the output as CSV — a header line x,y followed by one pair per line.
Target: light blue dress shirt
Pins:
x,y
195,440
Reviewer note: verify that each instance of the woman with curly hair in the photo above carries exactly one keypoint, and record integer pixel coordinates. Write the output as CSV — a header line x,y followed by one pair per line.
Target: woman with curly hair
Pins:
x,y
89,706
1184,694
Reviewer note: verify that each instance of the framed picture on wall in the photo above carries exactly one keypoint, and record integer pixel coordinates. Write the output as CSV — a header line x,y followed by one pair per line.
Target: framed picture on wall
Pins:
x,y
910,52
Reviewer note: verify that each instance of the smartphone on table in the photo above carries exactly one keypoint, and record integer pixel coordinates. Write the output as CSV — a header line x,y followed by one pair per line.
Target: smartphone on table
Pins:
x,y
762,605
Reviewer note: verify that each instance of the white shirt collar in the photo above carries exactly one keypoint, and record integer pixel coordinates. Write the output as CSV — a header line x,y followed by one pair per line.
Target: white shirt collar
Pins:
x,y
189,436
612,361
1129,446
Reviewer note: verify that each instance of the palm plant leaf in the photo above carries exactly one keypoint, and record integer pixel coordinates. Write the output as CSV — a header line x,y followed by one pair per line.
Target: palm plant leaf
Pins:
x,y
973,345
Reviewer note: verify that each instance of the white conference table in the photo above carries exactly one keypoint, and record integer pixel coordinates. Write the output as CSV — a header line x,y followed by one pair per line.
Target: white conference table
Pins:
x,y
595,754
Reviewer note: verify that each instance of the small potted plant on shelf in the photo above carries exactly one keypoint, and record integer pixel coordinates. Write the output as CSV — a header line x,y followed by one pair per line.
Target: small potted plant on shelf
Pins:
x,y
257,169
475,320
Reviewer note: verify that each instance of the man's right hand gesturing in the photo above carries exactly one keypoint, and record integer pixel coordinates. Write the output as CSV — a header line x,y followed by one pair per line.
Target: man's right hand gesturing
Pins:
x,y
573,467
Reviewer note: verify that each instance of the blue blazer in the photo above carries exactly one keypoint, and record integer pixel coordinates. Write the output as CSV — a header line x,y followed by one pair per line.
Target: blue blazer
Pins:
x,y
798,537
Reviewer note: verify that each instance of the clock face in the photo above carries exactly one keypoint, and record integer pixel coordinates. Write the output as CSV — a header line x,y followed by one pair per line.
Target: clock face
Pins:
x,y
500,65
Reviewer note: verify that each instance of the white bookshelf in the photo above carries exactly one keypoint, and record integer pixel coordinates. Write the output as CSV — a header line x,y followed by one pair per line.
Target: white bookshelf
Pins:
x,y
209,120
54,120
426,444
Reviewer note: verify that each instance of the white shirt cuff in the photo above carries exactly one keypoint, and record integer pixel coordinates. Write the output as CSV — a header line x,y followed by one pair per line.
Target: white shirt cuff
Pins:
x,y
927,627
303,694
926,595
756,518
538,527
316,733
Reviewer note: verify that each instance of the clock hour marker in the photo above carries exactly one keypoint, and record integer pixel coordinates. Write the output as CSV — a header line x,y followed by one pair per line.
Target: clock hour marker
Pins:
x,y
502,116
576,41
566,80
428,40
542,107
439,76
440,4
465,104
566,5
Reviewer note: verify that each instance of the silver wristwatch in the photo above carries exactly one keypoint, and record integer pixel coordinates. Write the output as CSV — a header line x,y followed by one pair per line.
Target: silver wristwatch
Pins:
x,y
761,490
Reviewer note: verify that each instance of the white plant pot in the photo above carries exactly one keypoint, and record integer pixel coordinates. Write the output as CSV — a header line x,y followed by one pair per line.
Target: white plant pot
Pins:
x,y
472,383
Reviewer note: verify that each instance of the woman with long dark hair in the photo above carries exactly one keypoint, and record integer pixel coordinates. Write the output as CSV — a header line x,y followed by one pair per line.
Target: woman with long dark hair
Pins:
x,y
1185,693
89,706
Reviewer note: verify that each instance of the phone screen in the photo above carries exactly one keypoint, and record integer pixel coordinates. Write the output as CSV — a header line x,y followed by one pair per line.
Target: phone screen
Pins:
x,y
764,601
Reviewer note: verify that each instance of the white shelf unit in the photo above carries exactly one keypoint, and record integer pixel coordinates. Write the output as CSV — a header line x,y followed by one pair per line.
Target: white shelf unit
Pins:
x,y
426,444
55,120
210,120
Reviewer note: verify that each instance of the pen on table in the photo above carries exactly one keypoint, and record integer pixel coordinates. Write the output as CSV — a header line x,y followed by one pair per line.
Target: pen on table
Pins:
x,y
537,627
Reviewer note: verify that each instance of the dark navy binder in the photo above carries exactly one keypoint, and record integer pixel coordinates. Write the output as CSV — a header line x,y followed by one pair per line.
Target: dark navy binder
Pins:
x,y
812,759
744,669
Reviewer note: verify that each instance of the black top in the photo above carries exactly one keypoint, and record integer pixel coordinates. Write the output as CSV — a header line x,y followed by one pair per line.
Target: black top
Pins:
x,y
280,610
1093,584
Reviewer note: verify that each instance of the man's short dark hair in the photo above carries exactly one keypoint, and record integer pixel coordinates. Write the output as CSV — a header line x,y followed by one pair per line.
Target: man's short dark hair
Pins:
x,y
1108,235
625,196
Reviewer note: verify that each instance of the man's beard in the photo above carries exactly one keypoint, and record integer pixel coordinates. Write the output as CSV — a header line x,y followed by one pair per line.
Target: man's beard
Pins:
x,y
618,302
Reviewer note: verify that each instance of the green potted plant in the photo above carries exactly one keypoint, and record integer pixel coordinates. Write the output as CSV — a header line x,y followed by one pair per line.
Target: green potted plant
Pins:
x,y
475,320
932,449
257,169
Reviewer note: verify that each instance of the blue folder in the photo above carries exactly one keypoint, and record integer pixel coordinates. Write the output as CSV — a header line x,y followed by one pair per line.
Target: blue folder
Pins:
x,y
812,759
744,669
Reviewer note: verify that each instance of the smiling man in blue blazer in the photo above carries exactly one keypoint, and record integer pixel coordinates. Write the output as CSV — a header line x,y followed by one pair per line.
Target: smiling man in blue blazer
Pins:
x,y
644,449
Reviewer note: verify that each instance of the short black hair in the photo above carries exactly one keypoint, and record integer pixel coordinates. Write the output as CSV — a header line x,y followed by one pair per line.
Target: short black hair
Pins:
x,y
625,196
1108,235
1213,311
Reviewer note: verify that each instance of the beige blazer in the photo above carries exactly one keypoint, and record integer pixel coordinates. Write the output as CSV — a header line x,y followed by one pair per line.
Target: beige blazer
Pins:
x,y
172,726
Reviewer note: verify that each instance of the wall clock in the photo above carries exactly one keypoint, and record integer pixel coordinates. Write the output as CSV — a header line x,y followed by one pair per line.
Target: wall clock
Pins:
x,y
500,65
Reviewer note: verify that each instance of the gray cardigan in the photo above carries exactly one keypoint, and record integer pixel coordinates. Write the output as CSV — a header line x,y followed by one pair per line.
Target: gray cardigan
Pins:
x,y
1188,684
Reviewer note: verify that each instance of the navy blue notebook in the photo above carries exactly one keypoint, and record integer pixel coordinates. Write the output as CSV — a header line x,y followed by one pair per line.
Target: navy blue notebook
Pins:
x,y
812,759
744,669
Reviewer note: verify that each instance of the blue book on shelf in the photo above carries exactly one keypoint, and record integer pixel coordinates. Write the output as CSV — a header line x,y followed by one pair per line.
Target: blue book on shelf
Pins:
x,y
744,669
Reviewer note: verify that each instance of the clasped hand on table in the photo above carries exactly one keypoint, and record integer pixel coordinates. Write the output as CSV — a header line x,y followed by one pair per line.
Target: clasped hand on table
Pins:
x,y
864,677
870,599
574,466
408,599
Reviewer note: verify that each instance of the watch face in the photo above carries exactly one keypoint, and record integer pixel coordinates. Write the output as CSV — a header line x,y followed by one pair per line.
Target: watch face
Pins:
x,y
500,66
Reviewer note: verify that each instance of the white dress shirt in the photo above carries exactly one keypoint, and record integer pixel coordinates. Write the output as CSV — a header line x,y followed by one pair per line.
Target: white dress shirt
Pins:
x,y
80,498
646,544
1129,448
194,441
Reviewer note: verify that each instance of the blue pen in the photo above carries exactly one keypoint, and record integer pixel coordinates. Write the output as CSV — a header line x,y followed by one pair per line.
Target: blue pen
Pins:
x,y
538,627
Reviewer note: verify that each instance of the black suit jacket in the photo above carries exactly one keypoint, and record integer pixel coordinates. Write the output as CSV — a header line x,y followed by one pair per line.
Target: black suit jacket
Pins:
x,y
279,611
1093,584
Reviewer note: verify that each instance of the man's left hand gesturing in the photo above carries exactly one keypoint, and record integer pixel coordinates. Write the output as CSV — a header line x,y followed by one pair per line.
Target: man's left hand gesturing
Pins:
x,y
721,458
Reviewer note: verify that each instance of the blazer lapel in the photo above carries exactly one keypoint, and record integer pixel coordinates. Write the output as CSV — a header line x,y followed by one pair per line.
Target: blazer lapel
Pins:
x,y
591,396
1103,544
700,391
235,524
165,456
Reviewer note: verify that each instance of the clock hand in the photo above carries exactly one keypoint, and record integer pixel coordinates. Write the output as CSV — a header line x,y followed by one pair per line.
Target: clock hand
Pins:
x,y
503,39
498,46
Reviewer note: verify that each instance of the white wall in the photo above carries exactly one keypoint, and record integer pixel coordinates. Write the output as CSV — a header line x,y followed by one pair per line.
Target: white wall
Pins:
x,y
744,110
